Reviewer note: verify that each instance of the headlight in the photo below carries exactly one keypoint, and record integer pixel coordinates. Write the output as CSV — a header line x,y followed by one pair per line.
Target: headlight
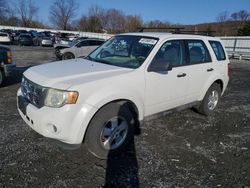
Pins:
x,y
58,98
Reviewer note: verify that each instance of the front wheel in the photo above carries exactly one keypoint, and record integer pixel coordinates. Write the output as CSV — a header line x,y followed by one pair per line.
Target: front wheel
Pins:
x,y
68,55
1,77
110,131
211,99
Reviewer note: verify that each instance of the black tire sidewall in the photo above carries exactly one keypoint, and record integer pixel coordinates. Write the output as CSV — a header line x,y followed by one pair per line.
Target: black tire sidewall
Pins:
x,y
1,77
204,105
98,122
65,56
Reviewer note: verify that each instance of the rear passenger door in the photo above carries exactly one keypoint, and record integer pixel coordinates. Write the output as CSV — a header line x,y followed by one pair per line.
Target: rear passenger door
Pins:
x,y
200,68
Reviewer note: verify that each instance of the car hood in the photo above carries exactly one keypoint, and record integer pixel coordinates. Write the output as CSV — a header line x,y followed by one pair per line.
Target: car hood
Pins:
x,y
64,74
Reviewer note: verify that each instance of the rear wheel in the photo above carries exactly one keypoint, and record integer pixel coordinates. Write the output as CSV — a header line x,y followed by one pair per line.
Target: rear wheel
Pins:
x,y
211,100
68,55
110,131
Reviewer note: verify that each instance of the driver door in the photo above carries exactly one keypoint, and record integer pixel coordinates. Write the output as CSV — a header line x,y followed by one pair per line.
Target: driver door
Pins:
x,y
166,90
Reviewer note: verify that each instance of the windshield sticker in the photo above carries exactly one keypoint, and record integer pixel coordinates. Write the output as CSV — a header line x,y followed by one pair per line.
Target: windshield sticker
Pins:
x,y
148,41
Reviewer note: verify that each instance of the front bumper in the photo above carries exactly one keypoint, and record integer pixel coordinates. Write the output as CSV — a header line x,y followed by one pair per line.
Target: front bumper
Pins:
x,y
66,124
8,69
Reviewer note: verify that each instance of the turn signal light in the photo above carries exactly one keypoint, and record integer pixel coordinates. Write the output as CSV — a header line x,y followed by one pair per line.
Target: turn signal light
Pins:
x,y
72,97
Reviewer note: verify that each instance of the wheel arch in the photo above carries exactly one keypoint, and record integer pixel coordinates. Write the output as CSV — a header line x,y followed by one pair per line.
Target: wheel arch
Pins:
x,y
131,105
218,81
68,52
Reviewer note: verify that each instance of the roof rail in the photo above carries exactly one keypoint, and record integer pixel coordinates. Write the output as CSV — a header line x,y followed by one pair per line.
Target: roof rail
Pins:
x,y
171,29
207,33
178,30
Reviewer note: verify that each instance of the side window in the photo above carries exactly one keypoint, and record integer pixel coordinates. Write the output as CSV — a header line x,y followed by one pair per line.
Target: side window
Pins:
x,y
198,52
218,50
92,43
95,42
171,52
83,43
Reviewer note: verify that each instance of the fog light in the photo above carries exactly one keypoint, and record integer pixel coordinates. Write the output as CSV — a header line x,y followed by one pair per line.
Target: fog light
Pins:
x,y
52,128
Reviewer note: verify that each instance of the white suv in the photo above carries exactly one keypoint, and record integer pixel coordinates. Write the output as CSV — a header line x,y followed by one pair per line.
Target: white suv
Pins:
x,y
129,78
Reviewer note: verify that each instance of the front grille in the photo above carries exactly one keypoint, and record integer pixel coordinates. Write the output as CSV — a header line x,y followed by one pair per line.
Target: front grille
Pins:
x,y
32,92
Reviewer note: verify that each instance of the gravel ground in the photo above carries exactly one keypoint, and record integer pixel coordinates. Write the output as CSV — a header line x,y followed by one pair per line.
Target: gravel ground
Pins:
x,y
182,149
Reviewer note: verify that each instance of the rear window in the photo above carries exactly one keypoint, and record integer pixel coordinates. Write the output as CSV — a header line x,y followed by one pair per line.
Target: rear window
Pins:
x,y
218,50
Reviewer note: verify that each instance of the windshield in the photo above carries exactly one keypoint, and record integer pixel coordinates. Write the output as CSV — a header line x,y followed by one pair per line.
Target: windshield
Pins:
x,y
124,51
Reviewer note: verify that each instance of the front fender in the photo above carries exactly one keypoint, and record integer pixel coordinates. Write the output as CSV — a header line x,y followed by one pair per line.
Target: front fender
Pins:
x,y
108,96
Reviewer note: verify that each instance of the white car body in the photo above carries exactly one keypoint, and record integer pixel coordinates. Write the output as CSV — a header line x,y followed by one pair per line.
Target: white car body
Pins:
x,y
81,48
4,37
99,84
45,41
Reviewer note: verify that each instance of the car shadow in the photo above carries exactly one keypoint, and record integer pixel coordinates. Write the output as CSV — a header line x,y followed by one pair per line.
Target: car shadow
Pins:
x,y
122,169
15,77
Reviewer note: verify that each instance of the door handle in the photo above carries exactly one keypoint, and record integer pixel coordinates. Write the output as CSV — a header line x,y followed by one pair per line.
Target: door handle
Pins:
x,y
181,75
209,70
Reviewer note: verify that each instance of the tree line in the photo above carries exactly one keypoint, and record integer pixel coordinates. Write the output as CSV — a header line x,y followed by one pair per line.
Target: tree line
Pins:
x,y
63,15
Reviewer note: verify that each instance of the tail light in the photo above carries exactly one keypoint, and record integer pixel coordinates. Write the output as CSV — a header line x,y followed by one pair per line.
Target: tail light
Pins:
x,y
228,69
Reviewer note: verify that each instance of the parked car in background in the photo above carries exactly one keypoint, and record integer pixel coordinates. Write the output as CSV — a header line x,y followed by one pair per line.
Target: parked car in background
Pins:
x,y
37,38
17,33
42,40
80,49
46,41
5,38
6,63
25,40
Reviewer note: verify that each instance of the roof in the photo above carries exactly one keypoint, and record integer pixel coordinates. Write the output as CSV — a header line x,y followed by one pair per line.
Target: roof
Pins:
x,y
164,35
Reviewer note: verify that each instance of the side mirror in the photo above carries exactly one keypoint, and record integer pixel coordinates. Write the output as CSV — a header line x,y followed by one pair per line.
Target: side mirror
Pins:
x,y
160,66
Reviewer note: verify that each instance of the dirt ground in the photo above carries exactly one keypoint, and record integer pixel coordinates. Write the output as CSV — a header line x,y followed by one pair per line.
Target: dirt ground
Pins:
x,y
182,149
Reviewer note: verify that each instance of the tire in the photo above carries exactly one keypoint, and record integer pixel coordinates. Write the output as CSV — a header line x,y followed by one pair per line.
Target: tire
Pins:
x,y
68,55
103,137
211,100
1,77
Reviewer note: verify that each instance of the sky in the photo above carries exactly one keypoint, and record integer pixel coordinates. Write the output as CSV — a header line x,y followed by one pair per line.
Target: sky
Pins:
x,y
173,11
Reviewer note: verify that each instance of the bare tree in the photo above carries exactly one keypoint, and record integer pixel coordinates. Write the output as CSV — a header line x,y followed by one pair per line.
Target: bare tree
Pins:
x,y
115,21
27,11
243,15
96,20
223,17
133,23
235,16
62,12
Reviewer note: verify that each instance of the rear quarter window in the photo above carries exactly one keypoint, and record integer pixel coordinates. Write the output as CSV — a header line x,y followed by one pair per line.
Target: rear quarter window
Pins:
x,y
218,50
